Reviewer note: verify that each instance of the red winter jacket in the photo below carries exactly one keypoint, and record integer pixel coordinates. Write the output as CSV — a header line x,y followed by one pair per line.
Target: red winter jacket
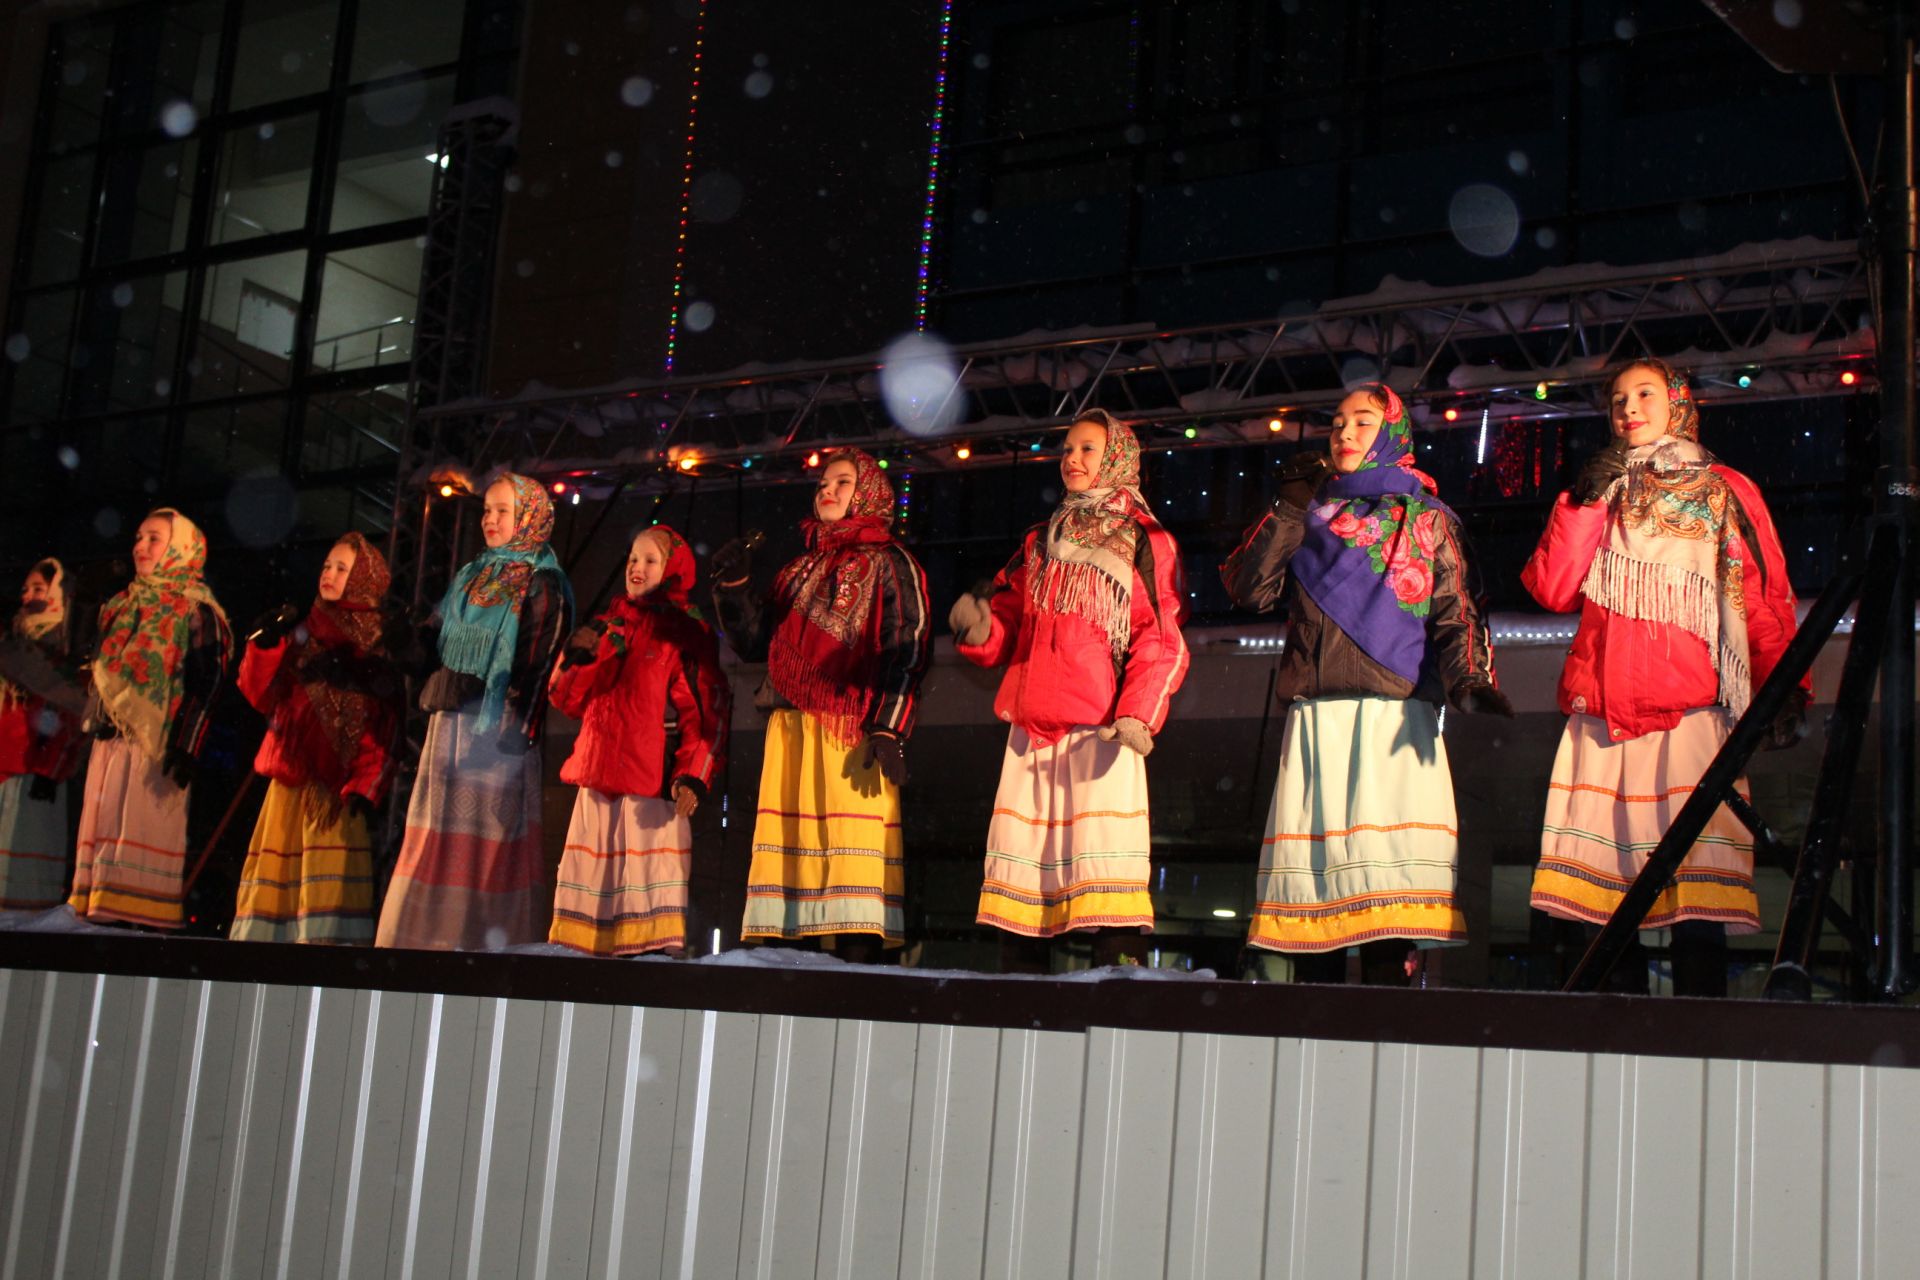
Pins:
x,y
650,656
1640,676
1060,669
296,749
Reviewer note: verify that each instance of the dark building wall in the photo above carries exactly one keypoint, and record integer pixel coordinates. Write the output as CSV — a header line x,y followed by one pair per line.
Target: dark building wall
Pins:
x,y
809,170
1225,160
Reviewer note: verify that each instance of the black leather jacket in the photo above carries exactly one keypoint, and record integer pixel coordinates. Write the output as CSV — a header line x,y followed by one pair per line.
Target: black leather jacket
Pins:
x,y
1321,660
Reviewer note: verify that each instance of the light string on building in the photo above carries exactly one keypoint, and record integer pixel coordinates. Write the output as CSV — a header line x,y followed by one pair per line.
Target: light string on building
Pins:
x,y
935,131
686,185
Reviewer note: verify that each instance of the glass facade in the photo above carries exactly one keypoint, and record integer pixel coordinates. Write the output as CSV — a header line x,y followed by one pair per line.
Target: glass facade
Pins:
x,y
217,277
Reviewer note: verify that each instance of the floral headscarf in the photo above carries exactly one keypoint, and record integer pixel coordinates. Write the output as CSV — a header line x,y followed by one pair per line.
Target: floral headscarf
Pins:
x,y
1367,555
353,623
480,614
45,629
1676,551
1083,564
145,632
826,640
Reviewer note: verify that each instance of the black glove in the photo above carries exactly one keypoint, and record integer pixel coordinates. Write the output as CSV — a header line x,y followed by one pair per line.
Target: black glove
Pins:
x,y
1302,477
1481,697
271,627
582,645
1602,469
884,749
450,690
1790,725
731,563
42,787
514,743
360,807
179,766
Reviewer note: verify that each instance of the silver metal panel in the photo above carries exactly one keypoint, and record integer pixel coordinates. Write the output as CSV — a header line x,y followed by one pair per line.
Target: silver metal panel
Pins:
x,y
1219,1162
786,1147
949,1153
1126,1150
1317,1182
569,1131
712,1145
1034,1177
637,1152
186,1128
369,1133
863,1199
1530,1208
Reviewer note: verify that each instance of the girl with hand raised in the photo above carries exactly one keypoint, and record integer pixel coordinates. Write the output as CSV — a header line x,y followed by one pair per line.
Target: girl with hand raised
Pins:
x,y
625,868
331,695
1362,841
1086,618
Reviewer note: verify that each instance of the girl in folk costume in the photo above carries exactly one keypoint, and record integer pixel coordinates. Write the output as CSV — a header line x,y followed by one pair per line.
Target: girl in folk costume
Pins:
x,y
845,639
471,864
1685,607
331,697
622,888
1361,844
163,654
1086,619
39,744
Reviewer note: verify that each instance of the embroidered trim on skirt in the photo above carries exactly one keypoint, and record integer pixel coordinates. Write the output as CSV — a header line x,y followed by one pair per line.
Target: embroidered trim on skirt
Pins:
x,y
827,853
130,849
1068,844
33,847
1362,841
1609,803
309,871
469,873
623,876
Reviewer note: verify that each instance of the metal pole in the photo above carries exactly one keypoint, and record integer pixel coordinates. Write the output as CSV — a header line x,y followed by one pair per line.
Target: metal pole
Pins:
x,y
1894,495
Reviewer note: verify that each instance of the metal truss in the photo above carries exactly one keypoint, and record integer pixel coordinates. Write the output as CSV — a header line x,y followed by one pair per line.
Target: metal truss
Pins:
x,y
450,336
1768,321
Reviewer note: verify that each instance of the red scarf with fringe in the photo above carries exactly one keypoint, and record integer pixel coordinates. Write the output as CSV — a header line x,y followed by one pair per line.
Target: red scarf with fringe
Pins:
x,y
827,639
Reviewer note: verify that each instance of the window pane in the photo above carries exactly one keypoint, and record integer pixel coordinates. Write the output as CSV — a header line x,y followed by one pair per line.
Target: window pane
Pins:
x,y
387,161
286,49
264,173
366,306
146,202
65,201
405,37
165,56
79,67
129,335
122,456
38,354
353,428
247,319
229,439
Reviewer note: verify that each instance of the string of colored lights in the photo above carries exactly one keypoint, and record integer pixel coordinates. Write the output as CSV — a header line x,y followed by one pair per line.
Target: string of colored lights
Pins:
x,y
935,131
686,184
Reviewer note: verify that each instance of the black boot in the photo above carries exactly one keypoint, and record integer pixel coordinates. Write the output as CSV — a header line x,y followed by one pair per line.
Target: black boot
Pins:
x,y
1698,955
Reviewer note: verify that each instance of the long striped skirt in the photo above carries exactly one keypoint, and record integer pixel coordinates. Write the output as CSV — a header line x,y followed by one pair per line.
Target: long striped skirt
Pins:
x,y
130,849
623,876
309,871
468,876
1361,840
827,854
1068,843
1608,804
33,847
